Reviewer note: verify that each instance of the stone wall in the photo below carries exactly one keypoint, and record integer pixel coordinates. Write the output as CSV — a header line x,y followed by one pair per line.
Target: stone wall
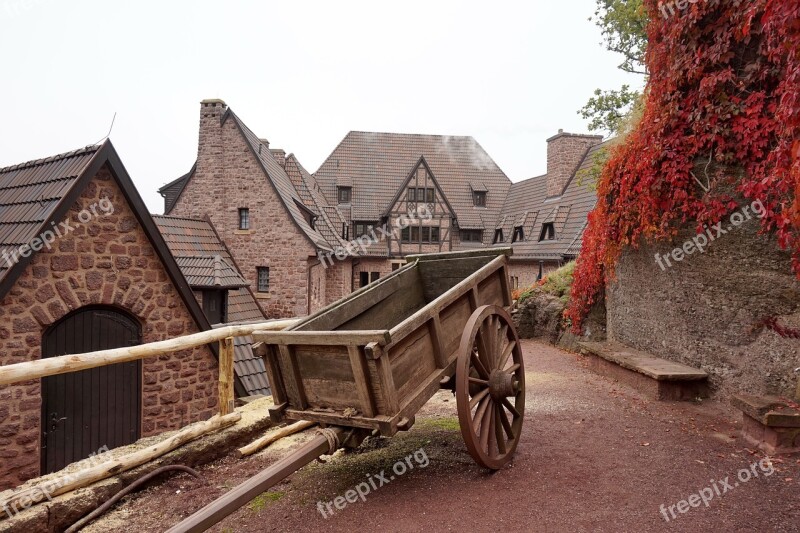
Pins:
x,y
526,272
228,177
706,310
107,261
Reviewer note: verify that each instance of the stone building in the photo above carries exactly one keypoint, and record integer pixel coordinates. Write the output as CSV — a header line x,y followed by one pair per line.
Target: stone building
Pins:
x,y
85,268
306,240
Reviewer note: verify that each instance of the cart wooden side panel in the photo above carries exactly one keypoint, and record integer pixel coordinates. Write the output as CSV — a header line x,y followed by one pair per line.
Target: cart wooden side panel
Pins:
x,y
330,370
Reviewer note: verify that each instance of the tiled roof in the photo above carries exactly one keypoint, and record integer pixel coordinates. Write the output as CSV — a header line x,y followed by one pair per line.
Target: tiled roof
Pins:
x,y
376,165
172,190
190,238
568,213
210,272
30,193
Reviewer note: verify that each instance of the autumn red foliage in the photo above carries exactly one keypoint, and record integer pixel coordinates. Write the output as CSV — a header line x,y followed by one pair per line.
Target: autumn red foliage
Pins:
x,y
724,88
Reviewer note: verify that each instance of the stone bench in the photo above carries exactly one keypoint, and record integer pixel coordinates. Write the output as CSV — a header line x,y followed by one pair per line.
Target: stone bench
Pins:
x,y
769,423
658,378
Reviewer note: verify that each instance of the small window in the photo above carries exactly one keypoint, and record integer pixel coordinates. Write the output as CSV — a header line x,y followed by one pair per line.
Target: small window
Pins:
x,y
412,194
345,195
479,198
405,235
364,279
471,235
498,236
430,195
363,228
421,194
426,234
541,271
435,235
548,232
514,283
519,235
244,218
374,276
415,234
263,279
345,232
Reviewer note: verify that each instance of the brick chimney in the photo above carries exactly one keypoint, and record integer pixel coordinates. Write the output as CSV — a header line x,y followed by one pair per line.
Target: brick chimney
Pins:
x,y
210,145
279,155
565,152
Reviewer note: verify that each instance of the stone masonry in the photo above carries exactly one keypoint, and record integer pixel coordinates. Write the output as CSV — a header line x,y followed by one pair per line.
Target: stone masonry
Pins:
x,y
565,151
228,177
107,261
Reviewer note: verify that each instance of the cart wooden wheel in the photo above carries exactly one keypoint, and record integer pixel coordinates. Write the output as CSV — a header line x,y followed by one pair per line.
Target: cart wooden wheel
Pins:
x,y
490,387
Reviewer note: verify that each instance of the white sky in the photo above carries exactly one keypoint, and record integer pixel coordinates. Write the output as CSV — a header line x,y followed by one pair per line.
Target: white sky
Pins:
x,y
300,73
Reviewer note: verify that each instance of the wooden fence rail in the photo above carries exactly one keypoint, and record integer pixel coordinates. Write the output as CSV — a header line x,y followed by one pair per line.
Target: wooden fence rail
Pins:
x,y
64,364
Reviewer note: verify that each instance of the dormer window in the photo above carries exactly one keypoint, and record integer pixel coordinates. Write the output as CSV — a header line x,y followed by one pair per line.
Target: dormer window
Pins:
x,y
345,195
548,232
519,234
498,236
479,198
244,218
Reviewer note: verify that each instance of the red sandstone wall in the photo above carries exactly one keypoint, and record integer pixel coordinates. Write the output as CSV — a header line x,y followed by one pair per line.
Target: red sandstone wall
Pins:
x,y
108,261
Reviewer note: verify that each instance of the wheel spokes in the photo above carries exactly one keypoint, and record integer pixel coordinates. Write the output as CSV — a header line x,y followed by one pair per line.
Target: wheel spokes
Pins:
x,y
478,397
506,424
498,429
506,354
478,365
511,408
492,444
482,406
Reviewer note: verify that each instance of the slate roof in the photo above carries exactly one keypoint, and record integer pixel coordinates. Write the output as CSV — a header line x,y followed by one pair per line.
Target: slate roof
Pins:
x,y
527,205
376,165
30,193
210,272
195,242
36,195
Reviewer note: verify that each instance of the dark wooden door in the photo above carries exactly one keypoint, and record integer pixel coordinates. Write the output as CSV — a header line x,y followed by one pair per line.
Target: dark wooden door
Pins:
x,y
214,306
84,411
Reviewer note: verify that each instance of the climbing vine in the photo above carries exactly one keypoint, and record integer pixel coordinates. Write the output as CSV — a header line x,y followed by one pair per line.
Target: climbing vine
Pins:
x,y
720,125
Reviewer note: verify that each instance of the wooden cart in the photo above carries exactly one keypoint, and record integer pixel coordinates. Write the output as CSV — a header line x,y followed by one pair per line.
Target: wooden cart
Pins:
x,y
373,359
369,362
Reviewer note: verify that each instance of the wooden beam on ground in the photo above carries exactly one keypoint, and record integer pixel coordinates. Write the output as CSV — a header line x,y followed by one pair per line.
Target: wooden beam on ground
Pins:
x,y
52,366
112,467
273,436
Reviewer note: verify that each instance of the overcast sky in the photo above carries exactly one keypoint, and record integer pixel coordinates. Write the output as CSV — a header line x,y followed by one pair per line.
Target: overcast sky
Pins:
x,y
300,73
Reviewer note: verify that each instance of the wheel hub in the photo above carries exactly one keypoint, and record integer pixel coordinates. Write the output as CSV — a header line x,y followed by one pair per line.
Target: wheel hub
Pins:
x,y
502,384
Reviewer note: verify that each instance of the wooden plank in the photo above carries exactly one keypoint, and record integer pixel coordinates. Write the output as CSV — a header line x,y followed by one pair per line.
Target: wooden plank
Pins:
x,y
274,375
411,360
440,276
490,291
387,384
226,379
494,252
435,330
336,419
338,313
324,362
293,384
423,315
325,338
391,311
361,377
506,286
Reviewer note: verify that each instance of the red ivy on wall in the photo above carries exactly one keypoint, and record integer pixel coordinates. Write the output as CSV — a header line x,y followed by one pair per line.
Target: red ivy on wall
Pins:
x,y
724,85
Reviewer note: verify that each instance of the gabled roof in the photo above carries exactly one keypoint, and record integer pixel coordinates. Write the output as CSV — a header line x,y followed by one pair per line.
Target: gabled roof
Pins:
x,y
172,190
210,272
276,175
568,213
376,164
37,195
403,186
197,239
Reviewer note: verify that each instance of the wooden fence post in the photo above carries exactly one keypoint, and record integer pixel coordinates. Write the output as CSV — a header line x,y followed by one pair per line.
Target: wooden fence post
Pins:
x,y
226,394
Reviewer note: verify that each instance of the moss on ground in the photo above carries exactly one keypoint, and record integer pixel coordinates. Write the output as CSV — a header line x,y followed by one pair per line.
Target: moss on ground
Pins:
x,y
262,500
557,283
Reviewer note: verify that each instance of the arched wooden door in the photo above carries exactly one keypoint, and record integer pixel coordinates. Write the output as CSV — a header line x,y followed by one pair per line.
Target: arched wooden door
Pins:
x,y
84,411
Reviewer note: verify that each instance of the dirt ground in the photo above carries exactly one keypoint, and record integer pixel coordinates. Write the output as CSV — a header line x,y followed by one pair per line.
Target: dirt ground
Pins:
x,y
594,456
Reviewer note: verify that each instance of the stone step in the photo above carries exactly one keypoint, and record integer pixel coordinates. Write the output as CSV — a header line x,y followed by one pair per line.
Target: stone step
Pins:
x,y
658,378
769,423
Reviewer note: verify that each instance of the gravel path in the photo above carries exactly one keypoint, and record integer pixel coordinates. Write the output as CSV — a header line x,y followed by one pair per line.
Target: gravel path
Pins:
x,y
595,456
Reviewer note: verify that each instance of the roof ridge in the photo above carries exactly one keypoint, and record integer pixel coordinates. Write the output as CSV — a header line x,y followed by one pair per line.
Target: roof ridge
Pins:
x,y
46,160
193,219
